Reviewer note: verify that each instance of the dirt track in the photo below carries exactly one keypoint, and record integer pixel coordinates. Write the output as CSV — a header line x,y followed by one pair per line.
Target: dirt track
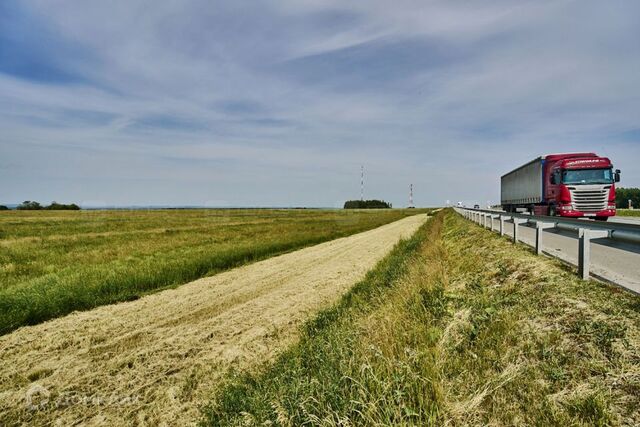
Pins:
x,y
156,360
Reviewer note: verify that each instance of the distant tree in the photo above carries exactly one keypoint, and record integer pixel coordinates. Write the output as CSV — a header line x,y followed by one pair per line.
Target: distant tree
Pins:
x,y
623,195
366,204
29,205
55,206
3,208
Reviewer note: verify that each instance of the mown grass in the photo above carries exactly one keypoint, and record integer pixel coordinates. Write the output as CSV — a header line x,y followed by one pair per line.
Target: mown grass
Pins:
x,y
457,326
52,263
628,212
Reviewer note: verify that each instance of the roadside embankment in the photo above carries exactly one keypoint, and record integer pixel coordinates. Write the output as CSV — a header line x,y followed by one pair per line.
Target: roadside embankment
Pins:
x,y
465,329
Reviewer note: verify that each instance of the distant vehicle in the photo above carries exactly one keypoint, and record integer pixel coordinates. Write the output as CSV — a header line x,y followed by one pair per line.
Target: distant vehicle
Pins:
x,y
476,206
460,205
569,185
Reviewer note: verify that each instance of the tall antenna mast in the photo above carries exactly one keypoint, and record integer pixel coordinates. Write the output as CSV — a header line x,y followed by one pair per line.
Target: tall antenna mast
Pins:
x,y
410,195
362,182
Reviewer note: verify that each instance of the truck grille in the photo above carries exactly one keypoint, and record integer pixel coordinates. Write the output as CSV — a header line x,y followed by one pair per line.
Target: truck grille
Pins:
x,y
590,198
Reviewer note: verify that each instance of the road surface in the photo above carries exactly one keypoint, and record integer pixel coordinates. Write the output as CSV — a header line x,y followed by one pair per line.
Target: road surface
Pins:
x,y
625,219
156,360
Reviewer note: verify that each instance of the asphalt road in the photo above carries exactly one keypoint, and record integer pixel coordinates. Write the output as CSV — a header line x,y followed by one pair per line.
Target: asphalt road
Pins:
x,y
611,260
625,220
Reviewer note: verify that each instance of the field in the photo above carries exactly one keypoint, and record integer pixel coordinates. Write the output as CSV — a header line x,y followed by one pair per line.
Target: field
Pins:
x,y
156,360
456,327
453,326
52,263
628,212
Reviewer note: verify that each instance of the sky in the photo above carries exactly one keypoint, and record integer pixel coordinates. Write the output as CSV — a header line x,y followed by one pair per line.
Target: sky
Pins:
x,y
279,103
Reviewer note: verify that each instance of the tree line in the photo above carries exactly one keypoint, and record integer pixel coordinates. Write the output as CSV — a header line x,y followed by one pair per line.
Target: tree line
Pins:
x,y
623,195
366,204
29,205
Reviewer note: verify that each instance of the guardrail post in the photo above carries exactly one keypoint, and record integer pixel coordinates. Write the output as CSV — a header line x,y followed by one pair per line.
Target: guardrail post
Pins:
x,y
501,225
540,227
517,221
584,249
539,231
492,218
584,252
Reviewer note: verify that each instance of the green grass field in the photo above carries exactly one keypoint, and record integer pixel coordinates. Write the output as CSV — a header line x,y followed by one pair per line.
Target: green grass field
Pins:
x,y
52,263
628,212
457,326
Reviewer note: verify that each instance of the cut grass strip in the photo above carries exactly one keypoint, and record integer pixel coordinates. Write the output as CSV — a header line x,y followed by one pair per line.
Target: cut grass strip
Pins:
x,y
54,263
311,380
457,326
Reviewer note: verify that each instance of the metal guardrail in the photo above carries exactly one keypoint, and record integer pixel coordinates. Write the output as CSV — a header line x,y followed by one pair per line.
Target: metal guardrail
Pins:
x,y
586,230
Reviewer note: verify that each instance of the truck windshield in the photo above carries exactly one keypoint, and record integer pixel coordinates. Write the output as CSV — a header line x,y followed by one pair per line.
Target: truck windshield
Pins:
x,y
587,176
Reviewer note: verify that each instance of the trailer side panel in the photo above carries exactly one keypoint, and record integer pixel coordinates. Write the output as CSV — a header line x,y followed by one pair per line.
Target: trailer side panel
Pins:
x,y
523,185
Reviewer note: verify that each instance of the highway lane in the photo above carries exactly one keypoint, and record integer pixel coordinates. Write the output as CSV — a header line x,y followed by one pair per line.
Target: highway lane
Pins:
x,y
611,260
625,220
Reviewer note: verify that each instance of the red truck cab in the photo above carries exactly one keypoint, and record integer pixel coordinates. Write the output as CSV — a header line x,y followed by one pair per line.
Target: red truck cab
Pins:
x,y
579,185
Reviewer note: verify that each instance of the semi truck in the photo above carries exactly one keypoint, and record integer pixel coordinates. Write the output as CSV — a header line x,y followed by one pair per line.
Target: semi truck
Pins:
x,y
569,185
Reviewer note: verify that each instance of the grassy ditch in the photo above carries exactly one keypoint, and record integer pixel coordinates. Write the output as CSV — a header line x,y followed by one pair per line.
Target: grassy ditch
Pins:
x,y
628,212
52,263
458,326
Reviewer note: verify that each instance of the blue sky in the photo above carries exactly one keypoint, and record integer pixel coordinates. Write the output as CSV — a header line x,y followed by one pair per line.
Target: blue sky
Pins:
x,y
280,102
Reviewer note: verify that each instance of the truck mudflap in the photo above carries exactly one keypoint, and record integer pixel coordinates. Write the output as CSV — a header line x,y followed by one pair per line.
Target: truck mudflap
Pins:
x,y
541,210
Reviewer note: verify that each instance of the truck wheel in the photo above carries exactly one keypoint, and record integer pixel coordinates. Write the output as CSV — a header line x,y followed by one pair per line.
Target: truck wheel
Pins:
x,y
602,218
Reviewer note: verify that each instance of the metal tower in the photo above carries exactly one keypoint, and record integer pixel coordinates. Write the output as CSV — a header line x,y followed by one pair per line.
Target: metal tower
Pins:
x,y
362,182
411,196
